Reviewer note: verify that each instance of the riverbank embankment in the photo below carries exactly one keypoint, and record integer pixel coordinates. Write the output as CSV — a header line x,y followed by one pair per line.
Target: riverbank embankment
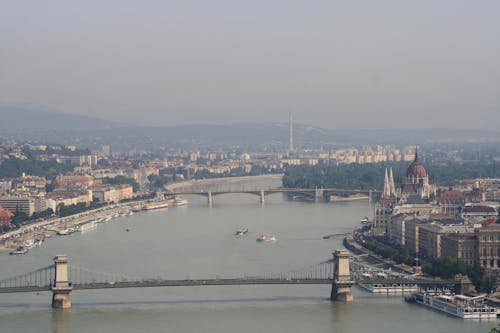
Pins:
x,y
14,238
356,248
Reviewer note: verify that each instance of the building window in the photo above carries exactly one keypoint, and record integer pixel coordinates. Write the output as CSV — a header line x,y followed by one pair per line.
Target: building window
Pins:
x,y
485,263
491,252
492,263
484,252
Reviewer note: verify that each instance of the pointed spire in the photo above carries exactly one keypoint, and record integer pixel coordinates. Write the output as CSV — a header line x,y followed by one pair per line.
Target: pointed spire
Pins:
x,y
391,183
387,186
416,154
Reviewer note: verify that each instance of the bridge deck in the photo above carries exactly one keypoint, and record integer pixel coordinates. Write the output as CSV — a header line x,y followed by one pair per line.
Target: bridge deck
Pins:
x,y
217,282
171,283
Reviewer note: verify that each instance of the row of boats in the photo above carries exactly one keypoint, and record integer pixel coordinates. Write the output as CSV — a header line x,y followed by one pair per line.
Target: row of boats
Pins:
x,y
267,238
30,243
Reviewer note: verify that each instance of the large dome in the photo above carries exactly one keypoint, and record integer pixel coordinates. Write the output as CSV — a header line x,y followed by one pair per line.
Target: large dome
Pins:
x,y
416,169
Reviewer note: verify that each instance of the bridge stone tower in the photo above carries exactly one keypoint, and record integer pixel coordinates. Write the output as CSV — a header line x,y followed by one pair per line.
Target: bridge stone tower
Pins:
x,y
210,198
61,286
342,283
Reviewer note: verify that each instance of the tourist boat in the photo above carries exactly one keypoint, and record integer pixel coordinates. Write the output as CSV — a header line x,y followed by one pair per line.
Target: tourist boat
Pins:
x,y
266,238
155,205
461,306
29,243
19,250
389,288
65,232
241,232
87,226
179,201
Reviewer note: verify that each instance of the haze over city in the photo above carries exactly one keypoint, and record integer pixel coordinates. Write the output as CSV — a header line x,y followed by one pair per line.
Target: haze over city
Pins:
x,y
240,166
384,64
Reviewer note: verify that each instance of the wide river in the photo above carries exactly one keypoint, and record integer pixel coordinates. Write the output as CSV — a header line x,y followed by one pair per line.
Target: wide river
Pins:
x,y
197,241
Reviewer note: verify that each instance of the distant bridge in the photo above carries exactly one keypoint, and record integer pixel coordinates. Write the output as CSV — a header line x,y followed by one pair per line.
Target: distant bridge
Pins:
x,y
316,194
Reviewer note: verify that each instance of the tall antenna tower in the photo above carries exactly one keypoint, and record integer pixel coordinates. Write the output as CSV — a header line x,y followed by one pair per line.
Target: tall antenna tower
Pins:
x,y
290,129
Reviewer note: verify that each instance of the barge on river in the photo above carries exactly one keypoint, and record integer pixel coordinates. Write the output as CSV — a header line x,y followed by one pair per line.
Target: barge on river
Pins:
x,y
461,306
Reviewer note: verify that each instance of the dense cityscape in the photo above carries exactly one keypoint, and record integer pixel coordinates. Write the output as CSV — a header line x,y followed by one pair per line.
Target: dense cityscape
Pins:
x,y
270,166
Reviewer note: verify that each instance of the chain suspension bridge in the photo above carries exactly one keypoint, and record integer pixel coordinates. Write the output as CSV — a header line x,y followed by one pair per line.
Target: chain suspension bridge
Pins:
x,y
61,278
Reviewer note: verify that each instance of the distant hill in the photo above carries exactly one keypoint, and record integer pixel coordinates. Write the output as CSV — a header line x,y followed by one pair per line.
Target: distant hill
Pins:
x,y
89,132
15,119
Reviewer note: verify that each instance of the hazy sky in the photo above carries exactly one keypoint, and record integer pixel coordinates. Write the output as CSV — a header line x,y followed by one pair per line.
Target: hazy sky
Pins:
x,y
338,64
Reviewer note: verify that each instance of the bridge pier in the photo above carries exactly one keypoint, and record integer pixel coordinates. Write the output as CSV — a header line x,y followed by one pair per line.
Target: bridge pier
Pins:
x,y
61,286
342,283
210,198
318,195
262,197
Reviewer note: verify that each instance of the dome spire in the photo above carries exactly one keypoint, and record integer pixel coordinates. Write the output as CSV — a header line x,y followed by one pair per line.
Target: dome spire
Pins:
x,y
416,154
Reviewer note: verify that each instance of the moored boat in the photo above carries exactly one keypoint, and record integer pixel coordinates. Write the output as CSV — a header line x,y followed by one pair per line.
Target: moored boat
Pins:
x,y
461,306
29,243
389,288
87,226
19,250
65,232
179,201
155,205
39,241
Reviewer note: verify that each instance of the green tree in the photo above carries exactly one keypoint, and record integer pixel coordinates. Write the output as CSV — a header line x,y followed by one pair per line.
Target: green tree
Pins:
x,y
118,180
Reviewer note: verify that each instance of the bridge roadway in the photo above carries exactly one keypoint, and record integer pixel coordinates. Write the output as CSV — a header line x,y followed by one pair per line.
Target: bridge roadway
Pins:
x,y
317,193
223,282
275,190
172,283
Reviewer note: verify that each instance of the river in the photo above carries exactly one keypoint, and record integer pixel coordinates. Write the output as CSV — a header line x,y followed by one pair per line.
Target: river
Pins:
x,y
197,241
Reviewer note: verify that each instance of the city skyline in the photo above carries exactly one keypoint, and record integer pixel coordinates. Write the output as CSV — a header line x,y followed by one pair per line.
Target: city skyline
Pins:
x,y
425,65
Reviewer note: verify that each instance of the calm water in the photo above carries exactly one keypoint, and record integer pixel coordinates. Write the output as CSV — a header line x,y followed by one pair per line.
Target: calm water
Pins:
x,y
197,241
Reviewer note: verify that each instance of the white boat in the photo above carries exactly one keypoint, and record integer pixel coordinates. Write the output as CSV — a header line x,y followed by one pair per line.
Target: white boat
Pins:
x,y
155,205
241,232
29,243
19,250
365,220
179,201
266,238
87,226
389,288
456,305
65,232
